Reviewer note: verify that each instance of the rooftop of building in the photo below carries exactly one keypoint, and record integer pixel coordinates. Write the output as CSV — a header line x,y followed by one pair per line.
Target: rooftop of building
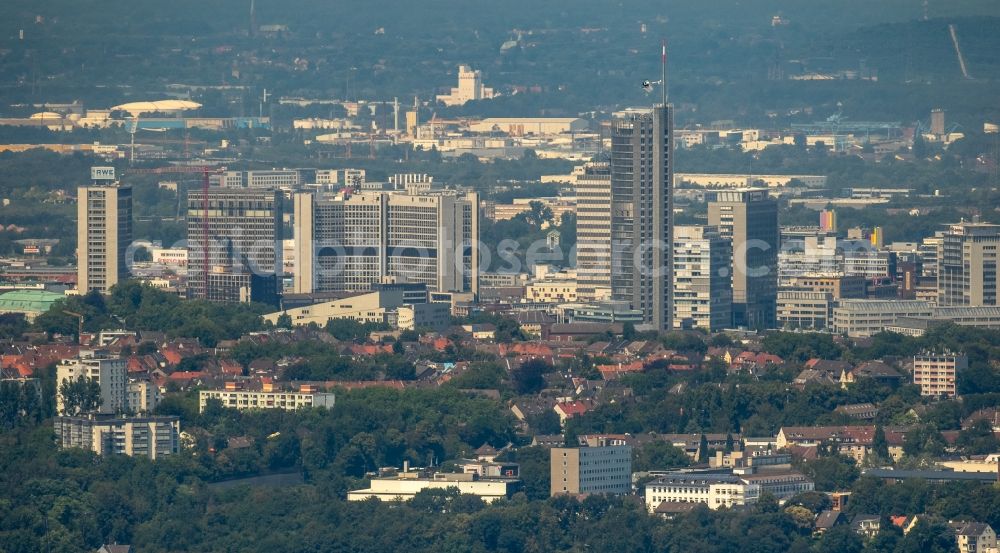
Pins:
x,y
37,301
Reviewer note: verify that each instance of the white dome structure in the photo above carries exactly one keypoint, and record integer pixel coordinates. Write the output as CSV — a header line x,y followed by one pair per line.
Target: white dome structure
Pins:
x,y
164,106
46,115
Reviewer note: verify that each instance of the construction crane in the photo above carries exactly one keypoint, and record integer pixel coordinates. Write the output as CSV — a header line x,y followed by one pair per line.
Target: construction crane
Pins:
x,y
79,328
205,172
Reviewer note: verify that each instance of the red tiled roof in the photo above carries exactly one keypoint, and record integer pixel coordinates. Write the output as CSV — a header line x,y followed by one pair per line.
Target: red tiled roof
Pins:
x,y
574,408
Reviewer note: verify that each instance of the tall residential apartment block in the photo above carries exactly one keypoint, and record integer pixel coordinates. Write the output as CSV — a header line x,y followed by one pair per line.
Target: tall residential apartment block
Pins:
x,y
104,232
348,243
702,294
109,373
935,373
239,259
749,218
593,232
641,212
967,265
151,437
591,470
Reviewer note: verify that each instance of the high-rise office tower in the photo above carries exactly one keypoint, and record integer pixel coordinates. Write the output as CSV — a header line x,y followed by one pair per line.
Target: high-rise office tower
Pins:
x,y
239,259
702,294
749,218
593,232
967,265
641,211
104,232
349,243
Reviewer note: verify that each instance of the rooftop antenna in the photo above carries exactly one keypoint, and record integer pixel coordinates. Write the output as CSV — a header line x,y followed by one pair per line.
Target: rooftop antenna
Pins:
x,y
647,86
663,71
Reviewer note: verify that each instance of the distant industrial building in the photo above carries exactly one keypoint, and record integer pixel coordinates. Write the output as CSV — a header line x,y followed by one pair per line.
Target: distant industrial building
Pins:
x,y
523,126
470,87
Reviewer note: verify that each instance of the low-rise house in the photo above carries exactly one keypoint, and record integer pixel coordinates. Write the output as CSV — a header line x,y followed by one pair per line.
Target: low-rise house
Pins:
x,y
975,537
749,360
853,441
569,409
524,408
670,509
827,520
548,440
481,331
860,411
989,414
614,372
866,525
875,370
814,377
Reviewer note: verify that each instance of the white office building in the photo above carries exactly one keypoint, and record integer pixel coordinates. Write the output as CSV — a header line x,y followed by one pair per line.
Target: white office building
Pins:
x,y
703,294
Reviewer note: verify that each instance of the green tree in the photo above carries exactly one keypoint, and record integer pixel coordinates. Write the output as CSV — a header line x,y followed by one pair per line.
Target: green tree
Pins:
x,y
529,377
703,449
284,321
659,455
81,395
880,447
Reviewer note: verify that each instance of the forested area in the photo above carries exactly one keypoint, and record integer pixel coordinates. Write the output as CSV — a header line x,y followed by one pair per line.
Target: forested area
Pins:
x,y
142,307
69,501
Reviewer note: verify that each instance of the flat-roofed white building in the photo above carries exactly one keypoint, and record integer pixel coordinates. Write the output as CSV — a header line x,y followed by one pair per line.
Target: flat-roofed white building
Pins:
x,y
861,318
521,126
270,399
714,490
405,485
702,294
804,309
